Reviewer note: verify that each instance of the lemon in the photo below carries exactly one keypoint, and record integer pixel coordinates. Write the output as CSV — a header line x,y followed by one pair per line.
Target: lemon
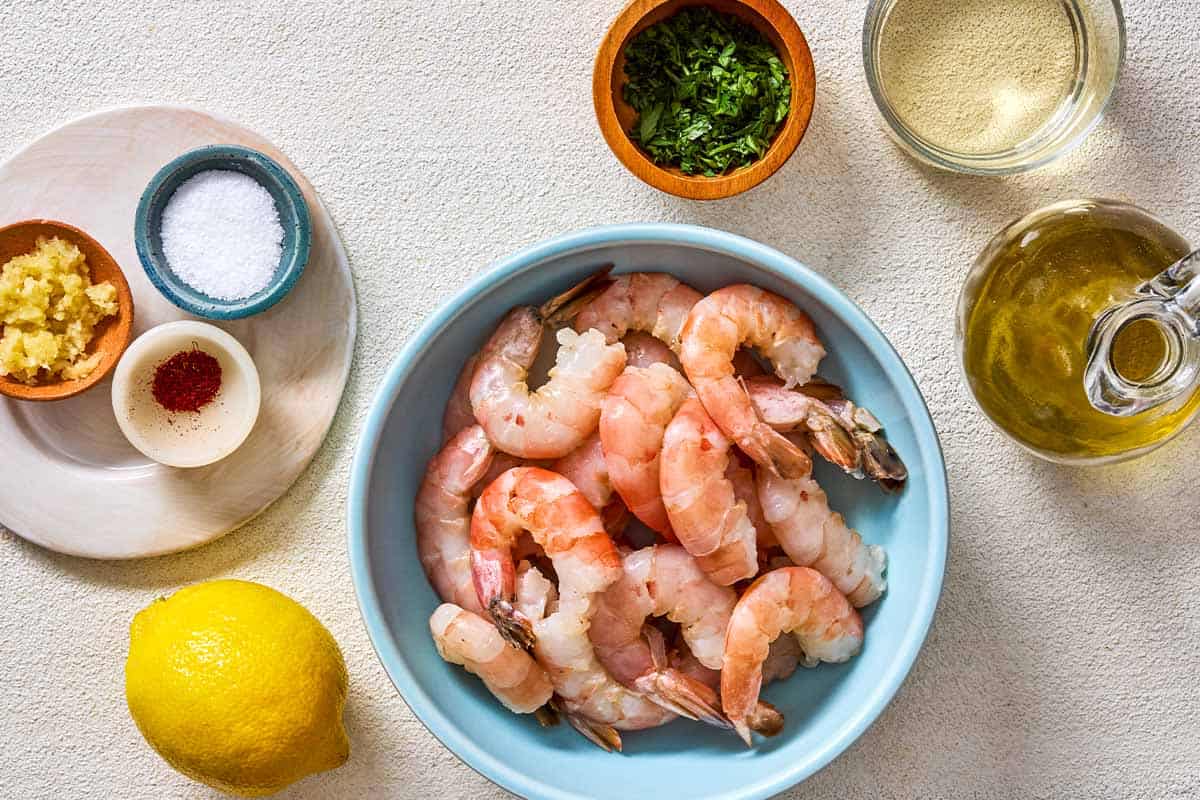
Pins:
x,y
237,686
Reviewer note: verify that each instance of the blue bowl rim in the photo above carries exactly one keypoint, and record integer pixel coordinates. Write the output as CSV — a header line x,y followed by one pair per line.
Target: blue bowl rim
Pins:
x,y
292,267
422,705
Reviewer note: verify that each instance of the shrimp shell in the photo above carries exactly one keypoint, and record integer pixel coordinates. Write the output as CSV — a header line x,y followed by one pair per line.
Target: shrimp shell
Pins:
x,y
705,513
781,662
792,599
716,328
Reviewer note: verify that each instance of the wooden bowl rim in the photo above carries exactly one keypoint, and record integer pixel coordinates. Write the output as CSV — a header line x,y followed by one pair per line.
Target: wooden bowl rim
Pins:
x,y
699,187
61,390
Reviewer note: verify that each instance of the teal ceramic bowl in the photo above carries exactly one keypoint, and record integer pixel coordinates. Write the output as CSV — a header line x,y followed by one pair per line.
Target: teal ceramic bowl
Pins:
x,y
826,708
289,203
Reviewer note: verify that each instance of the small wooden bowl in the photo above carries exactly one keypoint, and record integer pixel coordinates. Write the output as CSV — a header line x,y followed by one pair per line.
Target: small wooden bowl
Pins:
x,y
616,117
112,335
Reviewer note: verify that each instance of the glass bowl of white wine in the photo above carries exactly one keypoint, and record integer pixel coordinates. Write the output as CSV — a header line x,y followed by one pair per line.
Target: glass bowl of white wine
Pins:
x,y
992,87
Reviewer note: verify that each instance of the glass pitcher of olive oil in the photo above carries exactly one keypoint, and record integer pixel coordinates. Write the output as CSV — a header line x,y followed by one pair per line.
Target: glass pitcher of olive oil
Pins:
x,y
1078,332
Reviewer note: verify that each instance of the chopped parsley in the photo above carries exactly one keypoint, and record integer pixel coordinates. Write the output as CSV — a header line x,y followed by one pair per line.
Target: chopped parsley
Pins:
x,y
710,92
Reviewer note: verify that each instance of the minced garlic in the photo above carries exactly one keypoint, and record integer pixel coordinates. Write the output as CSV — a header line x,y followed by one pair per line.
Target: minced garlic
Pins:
x,y
48,312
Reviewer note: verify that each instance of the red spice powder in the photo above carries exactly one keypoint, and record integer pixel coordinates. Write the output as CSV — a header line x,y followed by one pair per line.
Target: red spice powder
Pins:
x,y
187,381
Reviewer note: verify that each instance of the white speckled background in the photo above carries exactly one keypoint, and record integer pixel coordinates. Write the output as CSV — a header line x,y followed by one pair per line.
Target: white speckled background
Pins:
x,y
443,135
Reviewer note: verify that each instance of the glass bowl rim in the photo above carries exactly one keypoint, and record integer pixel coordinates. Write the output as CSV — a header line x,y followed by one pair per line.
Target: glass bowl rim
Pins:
x,y
975,164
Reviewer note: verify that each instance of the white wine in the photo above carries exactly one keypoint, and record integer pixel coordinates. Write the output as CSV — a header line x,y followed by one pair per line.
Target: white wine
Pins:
x,y
979,76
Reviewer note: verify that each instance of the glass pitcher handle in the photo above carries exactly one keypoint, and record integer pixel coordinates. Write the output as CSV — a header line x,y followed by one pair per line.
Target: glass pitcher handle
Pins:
x,y
1172,301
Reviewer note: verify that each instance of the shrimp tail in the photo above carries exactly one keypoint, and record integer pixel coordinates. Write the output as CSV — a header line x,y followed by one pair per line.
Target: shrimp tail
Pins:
x,y
785,457
852,441
603,736
676,691
765,719
560,310
683,695
846,435
514,626
834,444
771,448
881,462
876,456
547,716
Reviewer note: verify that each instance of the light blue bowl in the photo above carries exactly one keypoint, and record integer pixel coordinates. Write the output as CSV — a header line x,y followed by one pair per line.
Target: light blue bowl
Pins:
x,y
289,203
826,708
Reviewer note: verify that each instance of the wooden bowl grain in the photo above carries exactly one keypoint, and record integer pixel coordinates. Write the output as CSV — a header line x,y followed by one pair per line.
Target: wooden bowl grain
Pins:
x,y
616,117
112,335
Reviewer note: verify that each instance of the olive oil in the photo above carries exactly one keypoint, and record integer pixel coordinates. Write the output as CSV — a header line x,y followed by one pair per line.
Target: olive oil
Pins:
x,y
1026,315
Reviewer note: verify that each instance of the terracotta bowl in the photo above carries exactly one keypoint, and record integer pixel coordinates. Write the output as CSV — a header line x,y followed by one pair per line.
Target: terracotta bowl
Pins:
x,y
616,117
112,335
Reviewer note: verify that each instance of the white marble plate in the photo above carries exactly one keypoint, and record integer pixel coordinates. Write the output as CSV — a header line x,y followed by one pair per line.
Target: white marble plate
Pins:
x,y
68,479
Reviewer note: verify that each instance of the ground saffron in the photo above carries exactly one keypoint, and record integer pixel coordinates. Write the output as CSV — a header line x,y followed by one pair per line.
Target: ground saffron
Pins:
x,y
187,381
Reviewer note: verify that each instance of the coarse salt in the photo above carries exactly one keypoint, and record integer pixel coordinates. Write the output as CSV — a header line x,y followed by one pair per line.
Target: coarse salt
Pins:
x,y
221,234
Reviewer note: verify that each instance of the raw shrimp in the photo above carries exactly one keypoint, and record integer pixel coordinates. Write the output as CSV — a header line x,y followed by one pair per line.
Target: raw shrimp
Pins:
x,y
705,514
555,419
662,581
797,509
586,467
633,419
509,673
651,302
560,519
442,515
793,599
784,335
586,562
458,415
642,350
840,431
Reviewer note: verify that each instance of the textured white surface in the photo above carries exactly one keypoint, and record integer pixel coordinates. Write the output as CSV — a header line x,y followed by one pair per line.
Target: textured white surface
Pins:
x,y
443,135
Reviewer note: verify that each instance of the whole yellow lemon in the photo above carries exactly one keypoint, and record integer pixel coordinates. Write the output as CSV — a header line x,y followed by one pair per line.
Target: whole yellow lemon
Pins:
x,y
237,686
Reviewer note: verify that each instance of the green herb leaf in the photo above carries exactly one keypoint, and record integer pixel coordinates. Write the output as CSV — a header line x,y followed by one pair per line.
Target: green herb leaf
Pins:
x,y
709,90
649,122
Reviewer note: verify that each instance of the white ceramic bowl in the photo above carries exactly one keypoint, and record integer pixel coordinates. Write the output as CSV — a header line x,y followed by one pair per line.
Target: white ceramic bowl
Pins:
x,y
186,439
